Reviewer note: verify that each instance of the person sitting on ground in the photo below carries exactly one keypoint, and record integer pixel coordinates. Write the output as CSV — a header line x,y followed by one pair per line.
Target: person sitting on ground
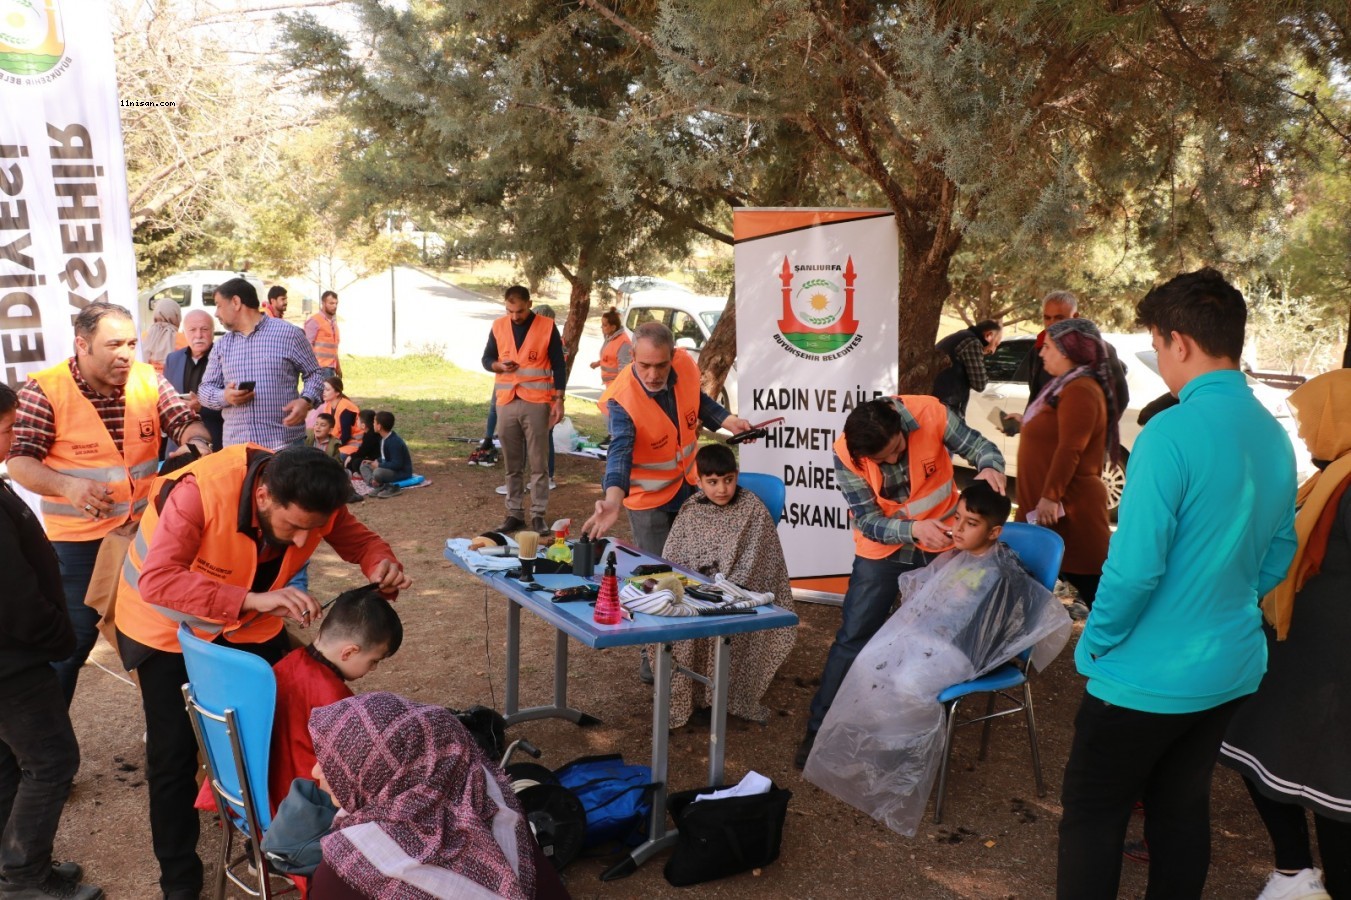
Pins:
x,y
369,449
322,436
726,529
394,463
427,813
970,610
346,415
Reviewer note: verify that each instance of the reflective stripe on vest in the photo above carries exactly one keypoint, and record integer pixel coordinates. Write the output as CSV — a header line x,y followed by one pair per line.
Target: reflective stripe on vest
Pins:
x,y
932,495
326,341
609,355
224,554
83,448
663,453
530,382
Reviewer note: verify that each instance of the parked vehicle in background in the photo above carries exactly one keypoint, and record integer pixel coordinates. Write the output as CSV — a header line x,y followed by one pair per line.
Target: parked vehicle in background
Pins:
x,y
1142,377
194,289
691,318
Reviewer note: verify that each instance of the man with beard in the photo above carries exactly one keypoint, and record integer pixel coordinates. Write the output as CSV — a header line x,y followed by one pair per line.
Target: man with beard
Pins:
x,y
216,549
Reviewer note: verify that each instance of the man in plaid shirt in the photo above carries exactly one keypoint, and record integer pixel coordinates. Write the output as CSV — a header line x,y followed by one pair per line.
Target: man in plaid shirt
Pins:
x,y
894,466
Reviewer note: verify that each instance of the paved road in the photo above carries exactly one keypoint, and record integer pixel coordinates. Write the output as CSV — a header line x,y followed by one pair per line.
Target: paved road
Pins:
x,y
434,315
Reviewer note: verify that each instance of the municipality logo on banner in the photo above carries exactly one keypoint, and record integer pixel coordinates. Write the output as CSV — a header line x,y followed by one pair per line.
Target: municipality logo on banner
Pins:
x,y
818,320
32,42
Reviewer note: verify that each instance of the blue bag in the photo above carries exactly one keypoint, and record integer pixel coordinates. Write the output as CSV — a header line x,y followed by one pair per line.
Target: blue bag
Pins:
x,y
617,797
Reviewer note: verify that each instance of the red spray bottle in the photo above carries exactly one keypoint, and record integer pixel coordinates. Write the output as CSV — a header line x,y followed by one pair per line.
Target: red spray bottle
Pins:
x,y
607,600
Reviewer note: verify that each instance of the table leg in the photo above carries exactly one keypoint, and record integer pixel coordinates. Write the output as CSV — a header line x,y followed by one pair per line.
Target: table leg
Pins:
x,y
560,709
658,837
717,731
513,699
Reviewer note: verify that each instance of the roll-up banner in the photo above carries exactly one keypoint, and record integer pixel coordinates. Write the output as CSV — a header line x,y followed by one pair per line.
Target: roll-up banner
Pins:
x,y
65,233
816,307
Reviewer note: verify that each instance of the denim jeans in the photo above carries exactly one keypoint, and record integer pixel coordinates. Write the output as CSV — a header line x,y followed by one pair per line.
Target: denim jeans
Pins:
x,y
867,603
38,761
77,567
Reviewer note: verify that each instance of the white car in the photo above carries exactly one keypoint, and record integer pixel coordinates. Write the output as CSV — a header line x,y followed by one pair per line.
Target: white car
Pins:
x,y
691,318
1006,393
195,289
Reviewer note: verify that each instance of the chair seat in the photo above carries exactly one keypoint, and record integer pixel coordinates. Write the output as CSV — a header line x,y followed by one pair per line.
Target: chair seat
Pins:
x,y
1001,679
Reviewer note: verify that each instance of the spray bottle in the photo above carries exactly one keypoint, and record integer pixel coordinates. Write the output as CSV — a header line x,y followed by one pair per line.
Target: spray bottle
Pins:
x,y
607,601
559,551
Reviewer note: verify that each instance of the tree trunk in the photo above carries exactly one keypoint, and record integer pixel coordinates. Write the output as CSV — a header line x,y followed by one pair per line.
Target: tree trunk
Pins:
x,y
924,288
579,307
716,357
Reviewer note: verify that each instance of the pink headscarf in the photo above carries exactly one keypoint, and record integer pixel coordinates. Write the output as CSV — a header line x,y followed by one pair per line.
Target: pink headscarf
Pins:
x,y
428,815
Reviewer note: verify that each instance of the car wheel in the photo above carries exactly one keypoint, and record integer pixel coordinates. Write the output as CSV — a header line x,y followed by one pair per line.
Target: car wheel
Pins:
x,y
1114,478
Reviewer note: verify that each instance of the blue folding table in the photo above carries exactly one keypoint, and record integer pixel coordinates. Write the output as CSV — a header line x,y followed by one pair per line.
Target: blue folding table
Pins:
x,y
574,620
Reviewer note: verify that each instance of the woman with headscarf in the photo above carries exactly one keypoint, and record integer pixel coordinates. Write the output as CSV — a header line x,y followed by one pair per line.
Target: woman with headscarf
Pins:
x,y
1067,431
163,336
423,814
1291,740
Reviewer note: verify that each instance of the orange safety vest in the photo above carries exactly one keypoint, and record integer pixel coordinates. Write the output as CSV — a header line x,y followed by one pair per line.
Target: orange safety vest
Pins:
x,y
83,448
227,553
336,410
533,382
932,492
609,355
326,341
663,453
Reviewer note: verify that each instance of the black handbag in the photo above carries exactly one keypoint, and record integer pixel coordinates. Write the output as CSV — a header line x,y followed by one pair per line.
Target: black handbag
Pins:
x,y
723,837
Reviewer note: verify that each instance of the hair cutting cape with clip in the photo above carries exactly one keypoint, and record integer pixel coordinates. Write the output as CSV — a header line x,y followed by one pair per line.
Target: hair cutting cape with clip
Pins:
x,y
960,617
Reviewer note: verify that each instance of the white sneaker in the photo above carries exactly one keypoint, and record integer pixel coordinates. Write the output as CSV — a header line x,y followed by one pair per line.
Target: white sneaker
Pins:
x,y
1306,884
502,489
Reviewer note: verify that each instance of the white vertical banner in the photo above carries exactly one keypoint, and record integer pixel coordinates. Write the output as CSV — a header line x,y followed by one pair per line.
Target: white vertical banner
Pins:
x,y
816,300
65,232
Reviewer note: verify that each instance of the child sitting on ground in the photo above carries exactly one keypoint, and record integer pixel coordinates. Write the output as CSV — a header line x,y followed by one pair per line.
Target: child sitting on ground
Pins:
x,y
369,449
969,611
725,528
323,437
394,463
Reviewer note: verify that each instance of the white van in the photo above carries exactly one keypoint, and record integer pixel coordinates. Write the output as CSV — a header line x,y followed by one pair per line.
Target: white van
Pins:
x,y
195,289
691,318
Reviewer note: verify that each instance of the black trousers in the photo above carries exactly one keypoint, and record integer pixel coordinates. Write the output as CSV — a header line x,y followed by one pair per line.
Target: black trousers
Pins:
x,y
1122,755
171,762
1288,825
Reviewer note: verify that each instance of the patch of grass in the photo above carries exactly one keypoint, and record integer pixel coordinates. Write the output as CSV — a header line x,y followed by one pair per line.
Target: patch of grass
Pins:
x,y
433,400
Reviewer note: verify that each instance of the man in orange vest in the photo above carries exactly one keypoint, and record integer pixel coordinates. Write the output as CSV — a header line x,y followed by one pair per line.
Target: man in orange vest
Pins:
x,y
617,350
525,353
322,331
276,302
655,410
87,440
216,549
894,466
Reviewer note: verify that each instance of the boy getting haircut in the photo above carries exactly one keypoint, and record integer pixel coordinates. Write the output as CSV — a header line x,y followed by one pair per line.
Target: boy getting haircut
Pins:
x,y
364,617
987,503
715,459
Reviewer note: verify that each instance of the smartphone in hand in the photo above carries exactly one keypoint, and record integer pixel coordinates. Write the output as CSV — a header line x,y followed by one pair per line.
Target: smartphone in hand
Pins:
x,y
245,386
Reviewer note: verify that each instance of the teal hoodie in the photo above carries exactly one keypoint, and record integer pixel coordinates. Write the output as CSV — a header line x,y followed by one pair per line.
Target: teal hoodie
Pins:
x,y
1206,528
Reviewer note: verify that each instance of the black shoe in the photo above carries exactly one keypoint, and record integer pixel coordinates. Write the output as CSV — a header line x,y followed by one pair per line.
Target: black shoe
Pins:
x,y
511,525
804,750
645,669
68,870
53,888
537,524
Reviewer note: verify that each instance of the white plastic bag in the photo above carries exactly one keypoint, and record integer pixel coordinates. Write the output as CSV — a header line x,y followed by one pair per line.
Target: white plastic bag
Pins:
x,y
962,616
565,436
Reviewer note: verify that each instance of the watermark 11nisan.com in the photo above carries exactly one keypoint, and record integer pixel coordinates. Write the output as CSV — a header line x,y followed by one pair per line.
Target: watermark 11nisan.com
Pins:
x,y
139,103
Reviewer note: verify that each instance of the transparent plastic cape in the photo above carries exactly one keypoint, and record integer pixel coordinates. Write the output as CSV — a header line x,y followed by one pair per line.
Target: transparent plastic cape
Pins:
x,y
961,616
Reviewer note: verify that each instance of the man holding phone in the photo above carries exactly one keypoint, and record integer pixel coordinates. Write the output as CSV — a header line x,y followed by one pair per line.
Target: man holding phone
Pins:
x,y
253,372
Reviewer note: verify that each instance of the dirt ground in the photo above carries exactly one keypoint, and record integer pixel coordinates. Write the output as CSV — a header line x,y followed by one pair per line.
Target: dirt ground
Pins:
x,y
999,841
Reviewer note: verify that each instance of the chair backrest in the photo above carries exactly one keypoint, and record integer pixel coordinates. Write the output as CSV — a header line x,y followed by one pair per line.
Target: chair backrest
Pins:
x,y
232,686
769,488
1040,549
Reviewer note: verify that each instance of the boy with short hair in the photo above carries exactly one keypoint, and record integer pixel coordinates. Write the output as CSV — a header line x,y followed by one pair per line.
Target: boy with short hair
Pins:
x,y
394,464
322,436
971,610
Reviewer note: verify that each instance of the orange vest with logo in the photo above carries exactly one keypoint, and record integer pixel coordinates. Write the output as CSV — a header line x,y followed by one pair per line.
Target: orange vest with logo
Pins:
x,y
226,481
533,381
336,409
932,492
663,453
609,355
83,448
325,341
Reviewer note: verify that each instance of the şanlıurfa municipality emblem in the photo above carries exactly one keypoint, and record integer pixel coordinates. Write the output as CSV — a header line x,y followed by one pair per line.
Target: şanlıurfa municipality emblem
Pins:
x,y
31,39
818,311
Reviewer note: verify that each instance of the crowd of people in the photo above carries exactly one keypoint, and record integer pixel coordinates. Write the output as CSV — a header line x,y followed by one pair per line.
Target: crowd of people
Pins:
x,y
157,514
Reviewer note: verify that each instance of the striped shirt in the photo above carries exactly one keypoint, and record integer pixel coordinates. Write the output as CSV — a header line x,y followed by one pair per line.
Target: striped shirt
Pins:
x,y
959,438
35,423
274,356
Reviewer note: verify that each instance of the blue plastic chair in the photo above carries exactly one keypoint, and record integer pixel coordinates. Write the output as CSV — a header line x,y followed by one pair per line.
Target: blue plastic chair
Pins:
x,y
1041,550
769,488
231,697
